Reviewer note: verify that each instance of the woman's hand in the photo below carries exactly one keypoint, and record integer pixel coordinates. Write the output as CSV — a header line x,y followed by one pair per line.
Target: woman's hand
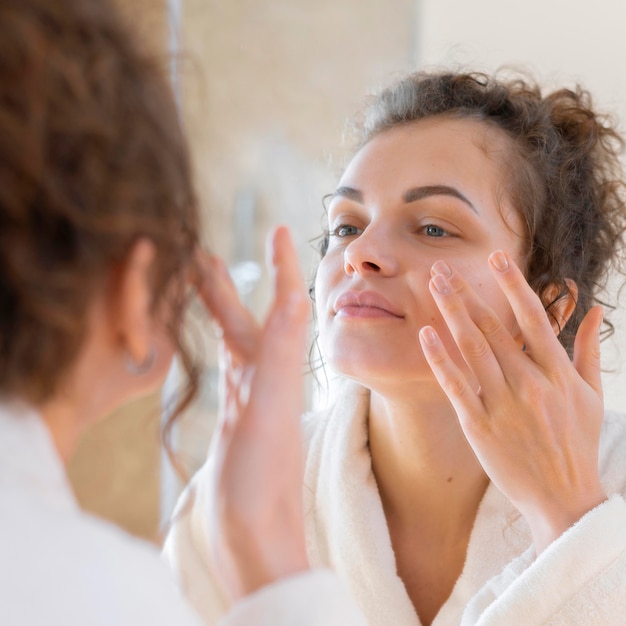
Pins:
x,y
257,529
534,423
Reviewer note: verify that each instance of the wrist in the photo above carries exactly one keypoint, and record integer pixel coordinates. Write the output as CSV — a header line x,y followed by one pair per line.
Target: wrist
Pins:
x,y
259,568
264,554
549,522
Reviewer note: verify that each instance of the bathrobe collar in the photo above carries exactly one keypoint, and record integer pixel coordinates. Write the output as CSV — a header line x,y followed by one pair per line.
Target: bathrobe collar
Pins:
x,y
28,458
347,528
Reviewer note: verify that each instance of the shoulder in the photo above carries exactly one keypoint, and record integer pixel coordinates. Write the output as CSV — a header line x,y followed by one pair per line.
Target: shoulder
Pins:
x,y
142,580
346,401
314,425
330,434
82,569
110,546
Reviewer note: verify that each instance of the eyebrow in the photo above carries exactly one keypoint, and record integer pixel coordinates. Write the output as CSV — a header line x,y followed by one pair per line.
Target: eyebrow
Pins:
x,y
418,193
348,192
411,195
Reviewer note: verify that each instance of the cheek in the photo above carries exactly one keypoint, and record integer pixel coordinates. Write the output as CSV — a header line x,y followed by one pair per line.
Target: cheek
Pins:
x,y
490,294
324,281
485,288
425,309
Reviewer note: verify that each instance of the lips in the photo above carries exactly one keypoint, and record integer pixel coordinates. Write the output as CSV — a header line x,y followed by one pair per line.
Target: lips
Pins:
x,y
365,304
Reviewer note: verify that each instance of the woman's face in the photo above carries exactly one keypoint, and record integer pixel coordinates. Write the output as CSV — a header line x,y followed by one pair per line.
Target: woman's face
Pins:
x,y
434,189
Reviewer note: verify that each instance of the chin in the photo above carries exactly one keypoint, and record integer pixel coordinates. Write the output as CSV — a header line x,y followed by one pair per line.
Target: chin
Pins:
x,y
369,369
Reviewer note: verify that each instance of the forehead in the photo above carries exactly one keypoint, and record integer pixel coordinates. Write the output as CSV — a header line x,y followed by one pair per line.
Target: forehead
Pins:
x,y
462,152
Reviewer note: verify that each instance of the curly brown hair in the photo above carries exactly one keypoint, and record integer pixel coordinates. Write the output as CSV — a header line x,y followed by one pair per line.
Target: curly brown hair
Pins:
x,y
564,176
92,158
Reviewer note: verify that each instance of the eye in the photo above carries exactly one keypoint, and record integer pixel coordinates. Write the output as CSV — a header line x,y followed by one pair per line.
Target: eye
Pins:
x,y
431,230
345,230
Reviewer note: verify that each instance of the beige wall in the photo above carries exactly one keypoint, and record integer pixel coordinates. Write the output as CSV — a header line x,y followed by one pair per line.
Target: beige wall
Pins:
x,y
267,86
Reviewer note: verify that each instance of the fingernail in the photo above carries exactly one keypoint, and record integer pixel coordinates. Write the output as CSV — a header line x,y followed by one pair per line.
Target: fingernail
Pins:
x,y
429,336
441,267
441,284
499,261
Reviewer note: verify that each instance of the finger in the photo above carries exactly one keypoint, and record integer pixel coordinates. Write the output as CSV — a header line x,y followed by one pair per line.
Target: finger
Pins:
x,y
283,259
234,392
462,396
226,410
279,366
276,396
271,418
587,348
482,340
219,295
225,387
541,342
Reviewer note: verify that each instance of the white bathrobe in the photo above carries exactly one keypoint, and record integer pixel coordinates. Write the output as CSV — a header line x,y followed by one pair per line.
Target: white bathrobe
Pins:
x,y
62,567
579,579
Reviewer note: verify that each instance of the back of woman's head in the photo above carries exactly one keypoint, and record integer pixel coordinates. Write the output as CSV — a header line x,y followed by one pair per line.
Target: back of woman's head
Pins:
x,y
564,175
91,159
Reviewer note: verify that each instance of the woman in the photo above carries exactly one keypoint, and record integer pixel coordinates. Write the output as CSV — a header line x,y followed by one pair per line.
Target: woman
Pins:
x,y
98,234
468,476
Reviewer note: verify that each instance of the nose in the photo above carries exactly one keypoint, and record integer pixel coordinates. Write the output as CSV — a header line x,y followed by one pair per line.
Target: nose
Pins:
x,y
370,253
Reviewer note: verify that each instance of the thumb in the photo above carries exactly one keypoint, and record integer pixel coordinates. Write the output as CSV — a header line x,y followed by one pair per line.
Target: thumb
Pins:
x,y
278,380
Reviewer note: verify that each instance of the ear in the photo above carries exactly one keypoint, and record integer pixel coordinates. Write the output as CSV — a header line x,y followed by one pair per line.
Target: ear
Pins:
x,y
561,308
132,313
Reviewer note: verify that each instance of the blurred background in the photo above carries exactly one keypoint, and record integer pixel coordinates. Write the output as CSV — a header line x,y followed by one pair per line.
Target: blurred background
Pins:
x,y
265,88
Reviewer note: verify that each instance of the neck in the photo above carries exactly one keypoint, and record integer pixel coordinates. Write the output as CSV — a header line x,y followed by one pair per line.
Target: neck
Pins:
x,y
75,406
418,448
64,425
